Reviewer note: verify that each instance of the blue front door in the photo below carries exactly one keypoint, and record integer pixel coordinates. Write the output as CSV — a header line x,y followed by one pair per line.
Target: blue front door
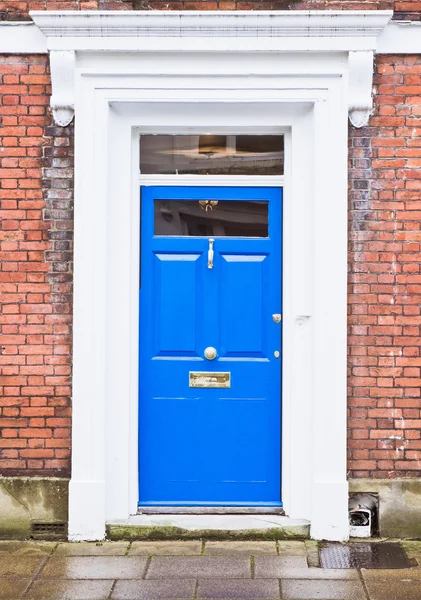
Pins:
x,y
210,343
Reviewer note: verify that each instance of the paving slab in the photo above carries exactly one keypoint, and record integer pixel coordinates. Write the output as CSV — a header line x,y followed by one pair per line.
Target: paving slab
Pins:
x,y
27,548
92,549
9,590
70,590
148,590
326,590
412,548
394,590
20,567
95,567
376,574
168,567
292,548
312,550
240,548
283,567
217,589
165,548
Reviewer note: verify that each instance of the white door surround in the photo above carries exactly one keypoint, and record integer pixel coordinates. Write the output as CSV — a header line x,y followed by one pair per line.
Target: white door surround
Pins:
x,y
156,72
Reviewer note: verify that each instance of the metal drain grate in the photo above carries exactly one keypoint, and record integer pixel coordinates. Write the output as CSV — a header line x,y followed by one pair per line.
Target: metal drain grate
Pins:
x,y
44,531
364,556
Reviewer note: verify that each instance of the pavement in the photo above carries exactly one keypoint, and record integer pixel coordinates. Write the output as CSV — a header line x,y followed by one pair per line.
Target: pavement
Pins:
x,y
190,570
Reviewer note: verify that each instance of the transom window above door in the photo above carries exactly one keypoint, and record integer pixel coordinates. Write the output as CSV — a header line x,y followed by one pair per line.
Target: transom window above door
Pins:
x,y
208,154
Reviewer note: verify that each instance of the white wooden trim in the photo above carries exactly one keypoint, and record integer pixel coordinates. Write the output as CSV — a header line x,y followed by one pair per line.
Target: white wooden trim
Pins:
x,y
21,38
398,37
208,180
311,110
353,32
211,24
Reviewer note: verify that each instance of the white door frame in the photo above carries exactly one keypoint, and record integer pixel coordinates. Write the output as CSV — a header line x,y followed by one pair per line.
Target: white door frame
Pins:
x,y
239,74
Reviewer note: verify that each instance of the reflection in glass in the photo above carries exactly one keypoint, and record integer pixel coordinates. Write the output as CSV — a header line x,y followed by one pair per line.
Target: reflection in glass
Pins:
x,y
225,218
212,154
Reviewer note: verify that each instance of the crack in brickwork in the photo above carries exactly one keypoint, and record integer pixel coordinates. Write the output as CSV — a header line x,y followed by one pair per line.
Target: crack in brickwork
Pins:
x,y
385,278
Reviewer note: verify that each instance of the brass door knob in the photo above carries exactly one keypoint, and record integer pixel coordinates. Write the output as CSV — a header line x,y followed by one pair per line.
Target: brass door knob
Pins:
x,y
210,353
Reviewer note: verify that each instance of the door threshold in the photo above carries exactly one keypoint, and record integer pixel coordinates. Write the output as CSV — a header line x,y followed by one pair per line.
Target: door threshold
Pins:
x,y
206,526
210,510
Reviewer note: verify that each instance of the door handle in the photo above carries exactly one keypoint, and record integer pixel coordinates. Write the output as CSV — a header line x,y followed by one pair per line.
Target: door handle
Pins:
x,y
210,353
210,253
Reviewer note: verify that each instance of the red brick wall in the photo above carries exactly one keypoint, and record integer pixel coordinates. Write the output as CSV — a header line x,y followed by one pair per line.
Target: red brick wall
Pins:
x,y
18,9
403,10
35,273
36,180
385,278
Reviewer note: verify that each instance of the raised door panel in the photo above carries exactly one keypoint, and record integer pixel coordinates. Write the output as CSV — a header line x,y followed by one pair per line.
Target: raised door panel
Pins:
x,y
242,305
240,450
177,292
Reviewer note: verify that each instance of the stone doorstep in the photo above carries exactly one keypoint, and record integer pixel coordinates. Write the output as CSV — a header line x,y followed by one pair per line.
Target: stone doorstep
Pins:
x,y
220,527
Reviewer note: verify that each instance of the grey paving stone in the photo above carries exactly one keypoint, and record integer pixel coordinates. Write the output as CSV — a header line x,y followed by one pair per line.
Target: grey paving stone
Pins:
x,y
394,590
70,590
312,549
9,590
154,590
95,567
414,574
240,548
236,589
168,567
412,548
20,567
326,590
27,548
283,567
165,548
290,548
92,549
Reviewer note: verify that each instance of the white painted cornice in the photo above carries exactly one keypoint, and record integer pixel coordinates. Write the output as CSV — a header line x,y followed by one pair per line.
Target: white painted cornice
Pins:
x,y
293,31
352,32
105,24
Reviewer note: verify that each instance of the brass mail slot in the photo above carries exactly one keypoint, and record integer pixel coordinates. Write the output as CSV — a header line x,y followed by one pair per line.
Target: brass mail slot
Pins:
x,y
209,380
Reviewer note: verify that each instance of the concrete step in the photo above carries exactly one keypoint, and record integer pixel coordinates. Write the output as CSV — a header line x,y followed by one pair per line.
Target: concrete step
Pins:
x,y
221,527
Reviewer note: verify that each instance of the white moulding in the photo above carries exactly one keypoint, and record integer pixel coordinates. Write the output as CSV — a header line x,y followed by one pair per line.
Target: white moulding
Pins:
x,y
354,32
235,24
21,38
398,37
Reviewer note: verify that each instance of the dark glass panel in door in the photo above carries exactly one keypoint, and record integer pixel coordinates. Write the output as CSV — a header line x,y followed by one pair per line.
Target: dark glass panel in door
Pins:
x,y
211,218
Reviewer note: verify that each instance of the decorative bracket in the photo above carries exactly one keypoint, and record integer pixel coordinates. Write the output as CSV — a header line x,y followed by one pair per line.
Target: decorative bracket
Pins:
x,y
360,94
62,65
